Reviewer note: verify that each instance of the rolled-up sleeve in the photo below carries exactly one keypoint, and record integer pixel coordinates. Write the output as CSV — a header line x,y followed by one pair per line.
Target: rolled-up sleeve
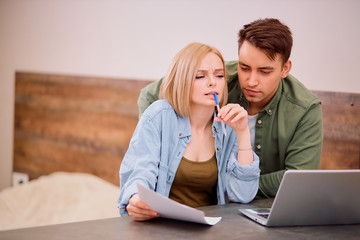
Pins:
x,y
243,180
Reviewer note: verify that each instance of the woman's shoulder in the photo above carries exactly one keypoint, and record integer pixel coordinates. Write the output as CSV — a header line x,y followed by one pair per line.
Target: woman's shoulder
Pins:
x,y
159,107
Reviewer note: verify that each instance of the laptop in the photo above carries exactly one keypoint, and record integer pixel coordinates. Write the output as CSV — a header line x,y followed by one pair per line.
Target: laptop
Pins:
x,y
312,197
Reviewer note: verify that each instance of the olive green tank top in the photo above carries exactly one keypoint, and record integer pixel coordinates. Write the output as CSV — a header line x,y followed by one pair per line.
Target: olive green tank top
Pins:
x,y
195,183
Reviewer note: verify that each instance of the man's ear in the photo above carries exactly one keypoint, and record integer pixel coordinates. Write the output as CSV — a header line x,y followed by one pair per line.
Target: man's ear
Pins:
x,y
286,69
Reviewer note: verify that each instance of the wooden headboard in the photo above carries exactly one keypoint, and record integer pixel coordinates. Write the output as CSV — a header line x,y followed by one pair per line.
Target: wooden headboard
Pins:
x,y
341,127
73,123
84,124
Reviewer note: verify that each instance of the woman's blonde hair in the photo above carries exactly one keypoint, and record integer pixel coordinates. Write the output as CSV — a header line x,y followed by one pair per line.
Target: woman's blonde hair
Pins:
x,y
176,87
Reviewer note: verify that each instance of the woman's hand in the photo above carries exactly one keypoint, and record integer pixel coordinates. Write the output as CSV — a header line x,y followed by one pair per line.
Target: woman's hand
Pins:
x,y
234,115
138,210
237,118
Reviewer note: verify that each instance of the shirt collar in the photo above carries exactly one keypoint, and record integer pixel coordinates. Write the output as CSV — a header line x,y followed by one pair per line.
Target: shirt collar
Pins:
x,y
184,127
272,105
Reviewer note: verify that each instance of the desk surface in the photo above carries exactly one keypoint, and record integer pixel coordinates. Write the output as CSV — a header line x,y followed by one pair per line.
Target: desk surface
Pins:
x,y
232,226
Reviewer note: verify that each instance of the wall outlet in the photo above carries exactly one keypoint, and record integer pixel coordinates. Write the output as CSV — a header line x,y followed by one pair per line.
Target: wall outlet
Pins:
x,y
19,178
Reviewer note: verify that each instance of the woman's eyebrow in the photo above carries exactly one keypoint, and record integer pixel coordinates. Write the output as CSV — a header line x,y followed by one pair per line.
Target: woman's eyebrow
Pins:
x,y
216,70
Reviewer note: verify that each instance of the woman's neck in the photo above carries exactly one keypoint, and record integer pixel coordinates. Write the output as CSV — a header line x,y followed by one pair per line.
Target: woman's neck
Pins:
x,y
201,146
201,118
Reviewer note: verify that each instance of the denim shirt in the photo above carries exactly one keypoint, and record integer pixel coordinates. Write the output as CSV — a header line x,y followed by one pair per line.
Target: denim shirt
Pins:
x,y
156,149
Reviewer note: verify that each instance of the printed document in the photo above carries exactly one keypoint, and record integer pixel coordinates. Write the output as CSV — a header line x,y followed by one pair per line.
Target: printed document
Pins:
x,y
168,208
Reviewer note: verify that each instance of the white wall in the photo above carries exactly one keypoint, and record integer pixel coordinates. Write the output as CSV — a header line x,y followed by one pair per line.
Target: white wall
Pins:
x,y
138,38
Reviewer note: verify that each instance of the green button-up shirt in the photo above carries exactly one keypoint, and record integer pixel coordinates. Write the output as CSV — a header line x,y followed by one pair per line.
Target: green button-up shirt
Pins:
x,y
288,131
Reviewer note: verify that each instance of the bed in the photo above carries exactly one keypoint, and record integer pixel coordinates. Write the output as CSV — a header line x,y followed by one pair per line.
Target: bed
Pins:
x,y
59,197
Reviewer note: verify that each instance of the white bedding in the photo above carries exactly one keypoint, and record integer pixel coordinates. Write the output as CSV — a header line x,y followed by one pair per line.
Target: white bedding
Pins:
x,y
57,198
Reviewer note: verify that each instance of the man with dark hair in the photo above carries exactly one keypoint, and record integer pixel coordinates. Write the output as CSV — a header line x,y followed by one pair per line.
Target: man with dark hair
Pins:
x,y
285,118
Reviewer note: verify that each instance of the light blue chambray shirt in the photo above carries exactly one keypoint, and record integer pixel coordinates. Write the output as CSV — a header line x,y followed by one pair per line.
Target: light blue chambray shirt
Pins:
x,y
156,149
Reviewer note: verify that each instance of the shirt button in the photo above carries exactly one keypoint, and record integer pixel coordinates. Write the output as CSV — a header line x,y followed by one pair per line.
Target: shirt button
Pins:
x,y
218,148
269,110
258,146
259,122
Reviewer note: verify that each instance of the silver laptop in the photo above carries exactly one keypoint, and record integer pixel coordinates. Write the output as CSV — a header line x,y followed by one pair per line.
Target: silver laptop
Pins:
x,y
313,197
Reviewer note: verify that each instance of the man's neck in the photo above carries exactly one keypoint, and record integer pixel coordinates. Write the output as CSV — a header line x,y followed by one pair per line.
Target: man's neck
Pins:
x,y
254,109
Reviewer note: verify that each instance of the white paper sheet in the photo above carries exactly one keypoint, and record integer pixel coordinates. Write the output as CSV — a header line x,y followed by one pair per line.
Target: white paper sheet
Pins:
x,y
168,208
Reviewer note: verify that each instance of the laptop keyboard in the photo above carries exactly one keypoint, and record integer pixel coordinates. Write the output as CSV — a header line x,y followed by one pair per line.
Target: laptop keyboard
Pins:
x,y
264,215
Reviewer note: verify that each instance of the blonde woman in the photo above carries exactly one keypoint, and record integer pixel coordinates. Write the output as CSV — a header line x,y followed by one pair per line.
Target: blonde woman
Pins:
x,y
179,148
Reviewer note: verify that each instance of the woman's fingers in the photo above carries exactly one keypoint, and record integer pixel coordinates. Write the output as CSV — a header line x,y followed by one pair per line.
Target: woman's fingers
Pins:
x,y
233,115
138,210
232,111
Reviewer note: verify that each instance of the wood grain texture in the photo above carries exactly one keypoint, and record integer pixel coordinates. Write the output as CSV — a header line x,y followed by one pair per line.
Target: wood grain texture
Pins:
x,y
341,126
84,124
73,123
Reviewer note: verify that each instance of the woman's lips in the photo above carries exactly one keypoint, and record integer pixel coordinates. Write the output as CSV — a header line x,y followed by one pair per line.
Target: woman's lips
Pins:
x,y
211,93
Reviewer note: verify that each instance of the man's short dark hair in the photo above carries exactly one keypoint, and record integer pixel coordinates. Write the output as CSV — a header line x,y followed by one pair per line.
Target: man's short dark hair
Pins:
x,y
270,35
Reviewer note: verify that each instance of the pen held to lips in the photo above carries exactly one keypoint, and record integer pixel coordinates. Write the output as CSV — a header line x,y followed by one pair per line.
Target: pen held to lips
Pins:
x,y
218,109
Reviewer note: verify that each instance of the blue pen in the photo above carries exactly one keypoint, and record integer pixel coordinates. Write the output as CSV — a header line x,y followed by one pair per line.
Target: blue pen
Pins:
x,y
218,109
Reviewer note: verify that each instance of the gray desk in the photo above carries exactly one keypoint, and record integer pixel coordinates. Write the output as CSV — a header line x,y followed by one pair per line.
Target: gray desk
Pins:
x,y
232,226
